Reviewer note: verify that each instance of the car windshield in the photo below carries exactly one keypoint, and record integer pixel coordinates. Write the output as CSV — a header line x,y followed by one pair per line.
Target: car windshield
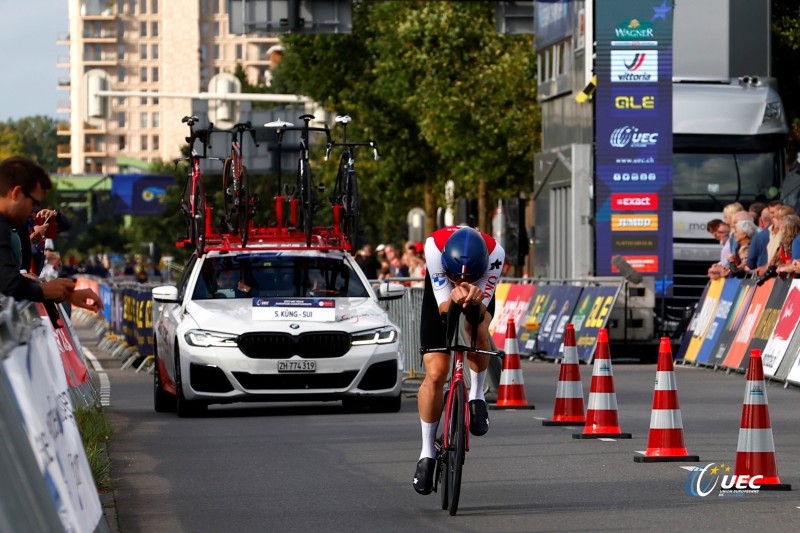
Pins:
x,y
277,275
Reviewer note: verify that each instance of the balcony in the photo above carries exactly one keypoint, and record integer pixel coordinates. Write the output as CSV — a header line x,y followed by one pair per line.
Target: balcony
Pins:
x,y
95,129
63,106
64,151
108,59
97,10
63,39
100,36
64,84
63,128
95,149
63,62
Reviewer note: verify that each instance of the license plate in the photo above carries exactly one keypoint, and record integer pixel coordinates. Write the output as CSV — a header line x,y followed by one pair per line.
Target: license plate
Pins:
x,y
297,366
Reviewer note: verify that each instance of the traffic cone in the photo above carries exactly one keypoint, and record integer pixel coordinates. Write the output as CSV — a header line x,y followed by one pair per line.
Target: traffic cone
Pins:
x,y
755,454
512,389
665,443
601,417
569,409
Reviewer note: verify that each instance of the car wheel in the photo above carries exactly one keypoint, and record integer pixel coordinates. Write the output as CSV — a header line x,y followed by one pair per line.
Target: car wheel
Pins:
x,y
163,402
185,408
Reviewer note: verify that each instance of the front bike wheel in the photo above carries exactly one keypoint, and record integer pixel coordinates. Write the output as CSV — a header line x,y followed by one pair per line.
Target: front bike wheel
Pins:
x,y
199,217
228,194
243,207
458,447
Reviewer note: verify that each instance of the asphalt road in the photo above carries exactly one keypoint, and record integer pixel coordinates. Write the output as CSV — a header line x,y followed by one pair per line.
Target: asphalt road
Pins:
x,y
298,467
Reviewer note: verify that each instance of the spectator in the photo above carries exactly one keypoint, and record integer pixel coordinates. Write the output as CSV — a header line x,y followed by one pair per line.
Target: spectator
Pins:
x,y
775,238
744,232
765,220
22,188
790,230
755,210
396,267
758,258
368,262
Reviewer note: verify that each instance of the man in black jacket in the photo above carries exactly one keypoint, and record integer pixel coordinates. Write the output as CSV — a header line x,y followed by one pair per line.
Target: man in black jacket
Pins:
x,y
22,189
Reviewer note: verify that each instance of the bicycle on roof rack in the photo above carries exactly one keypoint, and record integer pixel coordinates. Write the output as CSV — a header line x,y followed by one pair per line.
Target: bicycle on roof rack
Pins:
x,y
344,198
193,201
237,197
303,192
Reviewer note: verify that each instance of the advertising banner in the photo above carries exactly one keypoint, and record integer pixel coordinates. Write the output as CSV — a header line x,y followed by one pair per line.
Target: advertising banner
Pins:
x,y
139,194
769,318
36,376
785,329
633,138
687,335
551,333
75,368
499,301
744,334
590,315
517,302
747,289
726,300
704,319
540,304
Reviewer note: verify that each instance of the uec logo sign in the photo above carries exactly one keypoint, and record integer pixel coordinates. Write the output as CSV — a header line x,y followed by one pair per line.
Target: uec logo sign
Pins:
x,y
700,484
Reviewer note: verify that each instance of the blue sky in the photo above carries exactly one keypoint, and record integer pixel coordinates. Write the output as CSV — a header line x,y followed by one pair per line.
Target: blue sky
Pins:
x,y
28,73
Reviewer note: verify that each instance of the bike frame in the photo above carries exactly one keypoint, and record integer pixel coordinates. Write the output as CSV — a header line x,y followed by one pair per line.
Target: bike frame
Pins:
x,y
456,377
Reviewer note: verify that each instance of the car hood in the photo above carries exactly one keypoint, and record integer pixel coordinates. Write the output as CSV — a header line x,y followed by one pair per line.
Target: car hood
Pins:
x,y
234,316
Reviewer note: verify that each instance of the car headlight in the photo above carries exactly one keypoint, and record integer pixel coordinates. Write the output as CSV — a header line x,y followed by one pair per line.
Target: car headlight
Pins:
x,y
206,339
375,336
773,111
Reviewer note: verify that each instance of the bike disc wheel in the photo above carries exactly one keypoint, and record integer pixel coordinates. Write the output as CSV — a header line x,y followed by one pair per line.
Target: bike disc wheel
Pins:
x,y
458,447
243,209
199,217
228,197
442,478
351,207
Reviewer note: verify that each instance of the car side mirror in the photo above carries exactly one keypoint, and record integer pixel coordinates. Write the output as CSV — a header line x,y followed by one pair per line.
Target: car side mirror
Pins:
x,y
167,294
390,291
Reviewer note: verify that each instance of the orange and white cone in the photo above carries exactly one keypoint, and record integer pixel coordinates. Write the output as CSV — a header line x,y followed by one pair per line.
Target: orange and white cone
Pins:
x,y
665,443
569,409
602,420
512,388
755,454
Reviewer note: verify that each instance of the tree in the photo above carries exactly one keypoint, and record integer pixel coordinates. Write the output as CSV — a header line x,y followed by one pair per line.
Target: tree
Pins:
x,y
785,57
444,95
34,137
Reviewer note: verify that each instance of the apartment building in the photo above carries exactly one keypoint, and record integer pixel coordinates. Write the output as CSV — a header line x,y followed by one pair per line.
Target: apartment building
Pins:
x,y
158,46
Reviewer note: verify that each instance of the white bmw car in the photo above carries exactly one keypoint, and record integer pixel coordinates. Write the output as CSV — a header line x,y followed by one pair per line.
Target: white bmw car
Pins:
x,y
274,325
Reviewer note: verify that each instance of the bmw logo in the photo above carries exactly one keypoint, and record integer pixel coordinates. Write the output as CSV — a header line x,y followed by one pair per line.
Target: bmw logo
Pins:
x,y
294,326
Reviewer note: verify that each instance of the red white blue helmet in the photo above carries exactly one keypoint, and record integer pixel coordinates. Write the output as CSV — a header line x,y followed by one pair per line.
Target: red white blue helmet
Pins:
x,y
465,256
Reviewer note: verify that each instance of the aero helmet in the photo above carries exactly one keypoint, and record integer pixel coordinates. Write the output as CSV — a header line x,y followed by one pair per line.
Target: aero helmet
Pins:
x,y
465,255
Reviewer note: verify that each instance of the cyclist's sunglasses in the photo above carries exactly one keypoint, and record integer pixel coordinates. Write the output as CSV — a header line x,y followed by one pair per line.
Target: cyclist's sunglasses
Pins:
x,y
459,278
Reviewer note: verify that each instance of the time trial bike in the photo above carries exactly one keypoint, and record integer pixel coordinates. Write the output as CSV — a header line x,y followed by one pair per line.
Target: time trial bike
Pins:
x,y
303,191
344,197
237,196
453,445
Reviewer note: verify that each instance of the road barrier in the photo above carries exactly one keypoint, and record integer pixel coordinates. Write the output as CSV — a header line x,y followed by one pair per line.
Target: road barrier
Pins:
x,y
47,483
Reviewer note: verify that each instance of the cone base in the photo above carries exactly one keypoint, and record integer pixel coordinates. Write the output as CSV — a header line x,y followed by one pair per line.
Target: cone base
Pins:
x,y
776,486
602,436
666,459
576,423
495,406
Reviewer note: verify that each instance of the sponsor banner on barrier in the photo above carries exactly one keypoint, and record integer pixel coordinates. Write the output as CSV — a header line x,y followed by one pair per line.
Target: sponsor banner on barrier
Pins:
x,y
74,366
704,319
540,303
499,301
39,386
747,288
551,333
105,295
590,314
517,301
687,335
794,371
785,328
744,334
768,320
726,300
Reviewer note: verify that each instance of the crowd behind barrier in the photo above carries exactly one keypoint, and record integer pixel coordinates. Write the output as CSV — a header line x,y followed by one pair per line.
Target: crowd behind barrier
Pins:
x,y
47,482
735,316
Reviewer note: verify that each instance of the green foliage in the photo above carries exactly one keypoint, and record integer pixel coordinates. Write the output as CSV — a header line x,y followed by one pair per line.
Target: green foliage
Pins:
x,y
785,58
441,92
95,431
34,137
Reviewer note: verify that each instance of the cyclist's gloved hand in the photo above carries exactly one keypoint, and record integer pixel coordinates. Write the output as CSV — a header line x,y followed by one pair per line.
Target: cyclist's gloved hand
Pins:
x,y
466,294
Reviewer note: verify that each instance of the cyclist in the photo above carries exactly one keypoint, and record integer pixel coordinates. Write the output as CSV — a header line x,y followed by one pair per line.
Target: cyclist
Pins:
x,y
463,267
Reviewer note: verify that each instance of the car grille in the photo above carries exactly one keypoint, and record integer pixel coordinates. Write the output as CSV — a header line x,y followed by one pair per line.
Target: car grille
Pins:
x,y
317,345
295,381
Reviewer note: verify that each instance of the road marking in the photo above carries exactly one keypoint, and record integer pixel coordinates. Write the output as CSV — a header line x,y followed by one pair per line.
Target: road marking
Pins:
x,y
105,384
539,418
607,440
